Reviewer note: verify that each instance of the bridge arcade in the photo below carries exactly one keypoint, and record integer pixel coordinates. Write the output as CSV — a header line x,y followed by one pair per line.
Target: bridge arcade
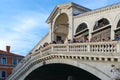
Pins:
x,y
99,56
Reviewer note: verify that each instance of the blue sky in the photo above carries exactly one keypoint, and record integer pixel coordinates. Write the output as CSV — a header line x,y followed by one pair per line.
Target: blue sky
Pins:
x,y
22,22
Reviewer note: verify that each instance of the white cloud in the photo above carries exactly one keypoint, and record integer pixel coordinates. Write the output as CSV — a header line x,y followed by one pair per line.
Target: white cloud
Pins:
x,y
22,35
29,23
25,25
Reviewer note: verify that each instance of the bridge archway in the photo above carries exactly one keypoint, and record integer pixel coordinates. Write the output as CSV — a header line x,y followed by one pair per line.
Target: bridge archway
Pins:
x,y
60,72
61,27
76,64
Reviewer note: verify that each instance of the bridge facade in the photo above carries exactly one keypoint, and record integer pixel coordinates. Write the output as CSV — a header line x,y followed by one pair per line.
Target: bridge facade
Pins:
x,y
100,59
94,58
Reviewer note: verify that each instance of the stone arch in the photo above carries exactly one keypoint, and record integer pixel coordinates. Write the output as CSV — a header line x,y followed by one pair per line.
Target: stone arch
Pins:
x,y
98,73
82,32
101,23
117,30
106,17
117,25
101,30
81,27
116,21
61,27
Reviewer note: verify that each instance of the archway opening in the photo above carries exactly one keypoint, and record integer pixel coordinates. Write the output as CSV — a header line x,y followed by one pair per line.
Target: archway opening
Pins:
x,y
61,28
118,24
82,33
60,72
101,30
117,31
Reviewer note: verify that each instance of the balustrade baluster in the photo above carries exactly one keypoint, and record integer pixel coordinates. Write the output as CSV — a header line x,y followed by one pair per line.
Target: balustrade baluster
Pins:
x,y
68,48
118,47
88,48
52,49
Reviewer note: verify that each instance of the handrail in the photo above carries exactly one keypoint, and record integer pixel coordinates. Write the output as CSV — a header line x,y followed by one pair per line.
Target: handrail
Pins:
x,y
93,47
99,47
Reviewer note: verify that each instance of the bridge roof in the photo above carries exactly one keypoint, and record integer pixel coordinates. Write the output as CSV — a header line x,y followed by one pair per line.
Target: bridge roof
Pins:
x,y
66,5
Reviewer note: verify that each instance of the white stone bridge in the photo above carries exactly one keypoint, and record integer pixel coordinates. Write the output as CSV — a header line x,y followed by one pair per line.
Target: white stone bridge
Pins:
x,y
76,61
99,61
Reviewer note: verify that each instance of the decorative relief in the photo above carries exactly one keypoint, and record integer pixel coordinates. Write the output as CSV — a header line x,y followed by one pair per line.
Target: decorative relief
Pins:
x,y
116,72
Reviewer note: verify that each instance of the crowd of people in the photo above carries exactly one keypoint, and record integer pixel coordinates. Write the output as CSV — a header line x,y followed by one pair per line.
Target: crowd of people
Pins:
x,y
78,40
95,39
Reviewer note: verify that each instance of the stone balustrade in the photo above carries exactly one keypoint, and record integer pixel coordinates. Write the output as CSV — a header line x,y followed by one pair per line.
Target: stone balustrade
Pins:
x,y
93,48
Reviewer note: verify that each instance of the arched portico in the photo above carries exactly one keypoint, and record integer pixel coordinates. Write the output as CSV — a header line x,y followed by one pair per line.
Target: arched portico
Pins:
x,y
61,28
117,22
82,32
98,74
101,30
117,30
116,26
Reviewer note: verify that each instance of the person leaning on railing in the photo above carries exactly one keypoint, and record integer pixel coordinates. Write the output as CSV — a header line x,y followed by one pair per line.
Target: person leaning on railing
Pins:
x,y
45,44
69,41
108,39
116,38
53,42
74,40
86,39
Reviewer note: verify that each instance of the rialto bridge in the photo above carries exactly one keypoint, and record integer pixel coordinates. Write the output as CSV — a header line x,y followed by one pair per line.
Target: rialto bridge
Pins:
x,y
95,59
87,61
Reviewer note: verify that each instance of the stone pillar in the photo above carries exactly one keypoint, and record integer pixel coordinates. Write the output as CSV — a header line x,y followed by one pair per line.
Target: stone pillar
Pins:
x,y
112,33
50,30
71,25
90,35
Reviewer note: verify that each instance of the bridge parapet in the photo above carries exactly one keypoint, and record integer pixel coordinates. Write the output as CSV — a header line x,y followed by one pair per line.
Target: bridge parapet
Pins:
x,y
94,47
108,48
97,51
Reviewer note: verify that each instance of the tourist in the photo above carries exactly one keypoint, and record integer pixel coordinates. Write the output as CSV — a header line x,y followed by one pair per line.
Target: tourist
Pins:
x,y
60,42
74,40
86,39
68,41
108,39
116,38
45,44
53,42
95,39
103,40
40,47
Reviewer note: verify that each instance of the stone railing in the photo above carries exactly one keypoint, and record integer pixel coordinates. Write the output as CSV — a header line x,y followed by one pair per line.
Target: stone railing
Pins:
x,y
94,47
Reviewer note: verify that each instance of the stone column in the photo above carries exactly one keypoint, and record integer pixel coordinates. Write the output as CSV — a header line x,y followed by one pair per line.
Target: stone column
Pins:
x,y
112,33
51,31
71,25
